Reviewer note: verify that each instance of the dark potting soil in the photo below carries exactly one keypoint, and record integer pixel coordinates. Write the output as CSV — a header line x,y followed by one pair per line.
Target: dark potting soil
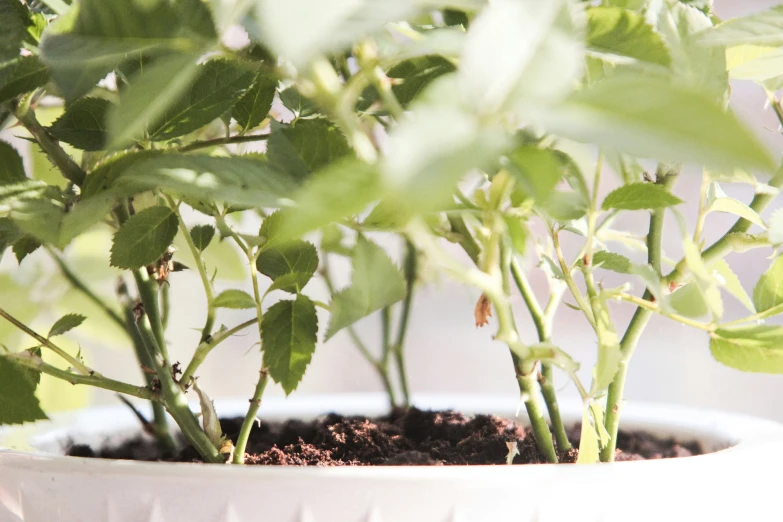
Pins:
x,y
413,437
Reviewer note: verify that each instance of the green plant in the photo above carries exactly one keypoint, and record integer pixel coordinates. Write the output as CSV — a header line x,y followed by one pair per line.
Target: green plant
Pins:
x,y
397,108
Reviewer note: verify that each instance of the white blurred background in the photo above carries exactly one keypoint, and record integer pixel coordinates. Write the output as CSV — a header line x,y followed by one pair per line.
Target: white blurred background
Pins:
x,y
445,352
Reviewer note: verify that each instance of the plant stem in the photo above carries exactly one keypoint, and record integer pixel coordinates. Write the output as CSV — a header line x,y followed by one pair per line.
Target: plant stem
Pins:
x,y
77,364
383,371
546,380
79,285
174,398
653,307
198,145
159,420
207,346
385,335
665,176
700,218
250,418
411,273
569,279
209,323
529,387
382,84
97,381
69,169
148,293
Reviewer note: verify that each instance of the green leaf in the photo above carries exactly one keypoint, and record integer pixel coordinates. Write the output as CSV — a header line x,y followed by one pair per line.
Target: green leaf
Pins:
x,y
305,146
754,348
588,441
11,166
375,283
214,91
9,233
150,95
760,28
202,235
638,196
611,261
517,233
235,299
609,353
736,207
731,283
209,418
298,257
253,107
547,39
18,403
703,278
288,339
144,238
296,103
236,180
87,43
768,292
689,301
653,118
23,75
24,246
415,74
340,190
613,30
565,206
83,124
65,323
292,282
321,28
699,67
13,28
537,171
426,156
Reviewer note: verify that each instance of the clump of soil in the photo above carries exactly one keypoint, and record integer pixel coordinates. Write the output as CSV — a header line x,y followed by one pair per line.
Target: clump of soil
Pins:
x,y
412,437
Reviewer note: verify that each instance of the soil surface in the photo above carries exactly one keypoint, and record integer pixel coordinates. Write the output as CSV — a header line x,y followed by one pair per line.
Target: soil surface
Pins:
x,y
414,437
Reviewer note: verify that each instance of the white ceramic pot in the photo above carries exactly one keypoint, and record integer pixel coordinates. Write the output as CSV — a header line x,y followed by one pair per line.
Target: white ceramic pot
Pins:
x,y
38,484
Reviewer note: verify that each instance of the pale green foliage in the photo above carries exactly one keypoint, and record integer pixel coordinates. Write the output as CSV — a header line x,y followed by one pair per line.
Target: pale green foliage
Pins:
x,y
289,340
501,127
375,283
65,324
144,238
237,299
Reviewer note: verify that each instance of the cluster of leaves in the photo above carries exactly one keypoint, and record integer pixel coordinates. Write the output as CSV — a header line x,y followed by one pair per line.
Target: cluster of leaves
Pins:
x,y
154,103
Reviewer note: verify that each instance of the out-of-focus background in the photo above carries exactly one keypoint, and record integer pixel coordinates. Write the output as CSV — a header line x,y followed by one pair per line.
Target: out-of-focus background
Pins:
x,y
445,352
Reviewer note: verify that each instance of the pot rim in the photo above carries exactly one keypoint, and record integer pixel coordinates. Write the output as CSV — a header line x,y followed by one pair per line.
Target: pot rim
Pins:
x,y
746,437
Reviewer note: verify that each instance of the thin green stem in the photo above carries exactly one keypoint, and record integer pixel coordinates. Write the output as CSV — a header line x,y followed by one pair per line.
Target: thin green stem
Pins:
x,y
79,285
77,364
382,84
666,176
68,168
775,310
383,372
701,217
159,418
411,273
529,388
97,381
199,145
165,306
209,322
546,379
385,335
653,307
174,398
250,418
148,292
207,346
569,279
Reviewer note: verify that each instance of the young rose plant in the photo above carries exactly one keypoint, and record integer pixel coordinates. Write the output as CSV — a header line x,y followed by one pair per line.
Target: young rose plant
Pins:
x,y
438,121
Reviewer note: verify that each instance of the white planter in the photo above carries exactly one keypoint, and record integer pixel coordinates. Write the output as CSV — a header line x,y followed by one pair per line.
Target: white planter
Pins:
x,y
739,483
